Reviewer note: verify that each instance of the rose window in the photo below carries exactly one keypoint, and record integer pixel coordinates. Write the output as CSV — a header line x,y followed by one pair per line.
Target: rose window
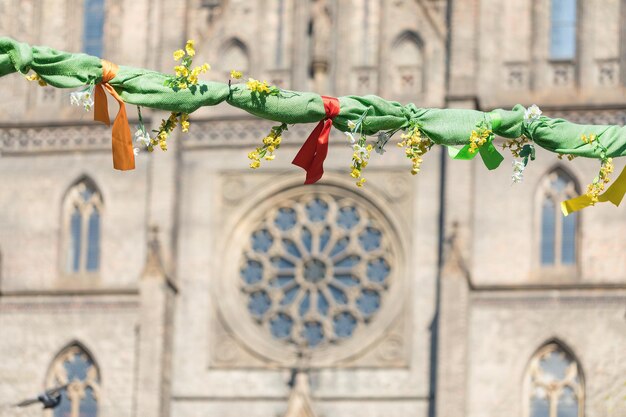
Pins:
x,y
316,270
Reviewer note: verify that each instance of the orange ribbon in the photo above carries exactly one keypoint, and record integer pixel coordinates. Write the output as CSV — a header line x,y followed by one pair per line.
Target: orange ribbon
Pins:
x,y
313,152
122,143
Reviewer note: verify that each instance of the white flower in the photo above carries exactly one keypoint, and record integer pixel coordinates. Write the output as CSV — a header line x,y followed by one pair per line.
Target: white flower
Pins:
x,y
351,125
136,151
532,113
351,138
383,138
82,98
142,138
361,151
518,171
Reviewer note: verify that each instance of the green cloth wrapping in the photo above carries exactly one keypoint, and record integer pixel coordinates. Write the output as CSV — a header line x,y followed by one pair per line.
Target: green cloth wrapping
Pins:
x,y
447,127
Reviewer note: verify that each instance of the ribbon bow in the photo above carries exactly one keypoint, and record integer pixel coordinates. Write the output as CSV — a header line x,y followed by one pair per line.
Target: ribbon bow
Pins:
x,y
121,143
313,152
614,194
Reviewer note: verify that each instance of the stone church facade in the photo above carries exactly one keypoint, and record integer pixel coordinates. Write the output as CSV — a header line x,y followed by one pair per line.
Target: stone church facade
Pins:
x,y
194,286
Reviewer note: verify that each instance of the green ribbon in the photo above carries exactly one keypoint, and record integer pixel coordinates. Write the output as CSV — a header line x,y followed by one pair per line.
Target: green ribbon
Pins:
x,y
488,152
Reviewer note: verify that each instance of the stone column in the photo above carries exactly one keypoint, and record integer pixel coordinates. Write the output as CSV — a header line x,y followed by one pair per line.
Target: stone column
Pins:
x,y
453,334
157,294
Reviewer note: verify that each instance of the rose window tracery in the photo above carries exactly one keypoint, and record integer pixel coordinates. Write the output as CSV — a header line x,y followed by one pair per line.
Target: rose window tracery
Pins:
x,y
316,269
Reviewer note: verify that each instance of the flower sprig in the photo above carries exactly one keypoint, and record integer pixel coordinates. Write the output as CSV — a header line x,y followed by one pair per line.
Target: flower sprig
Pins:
x,y
479,136
83,98
361,151
166,128
186,76
270,144
415,144
262,88
521,147
36,77
606,168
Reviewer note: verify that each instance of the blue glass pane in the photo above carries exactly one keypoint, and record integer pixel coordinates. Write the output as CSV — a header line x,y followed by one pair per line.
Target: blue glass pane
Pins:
x,y
286,218
540,405
313,333
290,295
93,27
339,296
305,304
348,217
378,270
314,271
76,368
555,365
259,303
344,324
347,279
322,304
317,210
563,29
291,248
324,238
348,261
307,239
76,224
252,272
568,249
262,241
88,404
340,246
548,231
369,302
93,242
86,193
281,326
370,239
568,403
64,409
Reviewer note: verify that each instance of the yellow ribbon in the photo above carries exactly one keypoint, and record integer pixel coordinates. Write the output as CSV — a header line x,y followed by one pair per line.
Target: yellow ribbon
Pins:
x,y
121,141
614,194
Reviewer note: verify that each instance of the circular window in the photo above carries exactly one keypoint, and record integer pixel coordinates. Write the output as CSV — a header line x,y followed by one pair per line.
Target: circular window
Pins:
x,y
316,269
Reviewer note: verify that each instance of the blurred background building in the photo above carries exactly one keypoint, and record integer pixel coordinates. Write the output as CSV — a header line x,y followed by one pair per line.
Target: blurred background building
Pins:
x,y
193,286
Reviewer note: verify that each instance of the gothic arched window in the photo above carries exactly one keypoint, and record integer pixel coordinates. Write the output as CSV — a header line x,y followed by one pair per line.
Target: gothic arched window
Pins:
x,y
554,384
93,27
558,246
75,369
563,29
408,61
234,55
83,209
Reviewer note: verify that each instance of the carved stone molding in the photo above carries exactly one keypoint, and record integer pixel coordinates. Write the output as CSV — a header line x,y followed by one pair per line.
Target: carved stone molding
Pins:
x,y
41,139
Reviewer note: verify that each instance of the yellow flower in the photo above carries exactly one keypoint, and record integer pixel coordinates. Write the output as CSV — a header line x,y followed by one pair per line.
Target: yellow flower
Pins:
x,y
270,157
189,48
255,164
193,79
355,173
360,182
205,67
236,75
271,148
181,71
182,85
179,54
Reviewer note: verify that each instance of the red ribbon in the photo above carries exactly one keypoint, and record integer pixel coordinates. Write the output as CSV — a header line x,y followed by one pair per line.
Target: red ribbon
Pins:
x,y
313,152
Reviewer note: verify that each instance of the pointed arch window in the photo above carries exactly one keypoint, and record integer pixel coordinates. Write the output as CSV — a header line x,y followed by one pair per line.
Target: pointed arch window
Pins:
x,y
93,27
554,384
75,369
559,233
83,209
408,61
234,55
563,16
